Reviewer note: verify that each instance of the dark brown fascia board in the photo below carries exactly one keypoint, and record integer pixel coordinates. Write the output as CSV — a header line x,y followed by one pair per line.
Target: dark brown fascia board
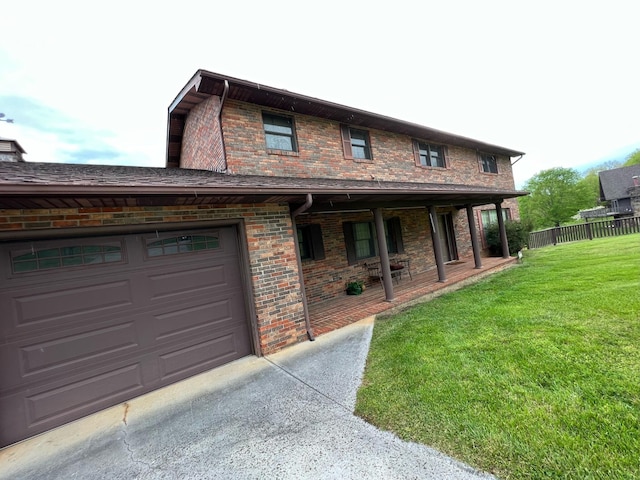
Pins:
x,y
145,190
191,84
197,80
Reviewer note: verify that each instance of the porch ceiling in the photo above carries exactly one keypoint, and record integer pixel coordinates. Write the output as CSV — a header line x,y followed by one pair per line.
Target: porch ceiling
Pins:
x,y
29,185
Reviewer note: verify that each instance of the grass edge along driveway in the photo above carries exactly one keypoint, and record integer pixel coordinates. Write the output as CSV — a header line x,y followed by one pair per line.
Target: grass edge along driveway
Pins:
x,y
531,373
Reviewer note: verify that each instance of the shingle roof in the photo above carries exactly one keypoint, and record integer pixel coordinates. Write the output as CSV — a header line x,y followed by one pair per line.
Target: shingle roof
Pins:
x,y
614,183
37,185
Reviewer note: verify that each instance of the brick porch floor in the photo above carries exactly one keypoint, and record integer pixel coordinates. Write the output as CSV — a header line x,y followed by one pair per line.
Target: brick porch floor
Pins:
x,y
346,309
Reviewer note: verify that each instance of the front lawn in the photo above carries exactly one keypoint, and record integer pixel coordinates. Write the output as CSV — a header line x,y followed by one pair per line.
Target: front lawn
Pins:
x,y
532,373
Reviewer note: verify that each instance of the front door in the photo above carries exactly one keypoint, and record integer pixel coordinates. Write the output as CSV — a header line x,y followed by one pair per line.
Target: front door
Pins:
x,y
447,237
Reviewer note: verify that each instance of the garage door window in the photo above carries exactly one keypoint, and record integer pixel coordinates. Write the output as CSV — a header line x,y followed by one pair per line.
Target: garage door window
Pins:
x,y
63,257
182,244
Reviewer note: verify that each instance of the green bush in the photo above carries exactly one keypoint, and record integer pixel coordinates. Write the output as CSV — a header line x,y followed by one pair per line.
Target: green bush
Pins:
x,y
355,287
517,236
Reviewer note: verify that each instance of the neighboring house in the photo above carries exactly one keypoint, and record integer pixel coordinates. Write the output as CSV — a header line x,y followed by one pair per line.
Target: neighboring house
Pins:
x,y
620,189
118,280
10,151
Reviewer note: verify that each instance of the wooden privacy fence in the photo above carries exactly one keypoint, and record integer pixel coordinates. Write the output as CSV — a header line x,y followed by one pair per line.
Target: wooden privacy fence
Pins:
x,y
584,231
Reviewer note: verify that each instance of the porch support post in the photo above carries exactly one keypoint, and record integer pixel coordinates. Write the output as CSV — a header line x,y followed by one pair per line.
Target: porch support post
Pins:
x,y
384,255
503,231
474,236
435,238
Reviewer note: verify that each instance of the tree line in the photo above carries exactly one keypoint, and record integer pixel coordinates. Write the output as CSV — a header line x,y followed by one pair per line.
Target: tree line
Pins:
x,y
558,194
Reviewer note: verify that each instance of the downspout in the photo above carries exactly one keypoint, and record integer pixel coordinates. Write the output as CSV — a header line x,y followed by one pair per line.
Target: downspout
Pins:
x,y
303,208
517,160
219,114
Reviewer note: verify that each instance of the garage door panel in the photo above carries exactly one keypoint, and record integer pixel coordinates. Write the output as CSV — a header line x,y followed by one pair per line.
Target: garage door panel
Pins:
x,y
95,391
187,281
76,340
48,357
200,357
23,415
69,302
193,319
68,351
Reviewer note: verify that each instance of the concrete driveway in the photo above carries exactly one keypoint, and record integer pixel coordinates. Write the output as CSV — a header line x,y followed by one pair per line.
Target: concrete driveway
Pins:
x,y
286,416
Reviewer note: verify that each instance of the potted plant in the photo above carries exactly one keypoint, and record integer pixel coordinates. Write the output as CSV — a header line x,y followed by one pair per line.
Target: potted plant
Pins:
x,y
355,287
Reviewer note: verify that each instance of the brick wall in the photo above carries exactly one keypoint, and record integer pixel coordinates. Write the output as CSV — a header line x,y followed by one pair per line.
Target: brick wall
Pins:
x,y
202,143
274,272
325,279
320,154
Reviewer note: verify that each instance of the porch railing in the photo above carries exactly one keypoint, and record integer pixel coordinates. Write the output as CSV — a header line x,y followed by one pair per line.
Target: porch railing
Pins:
x,y
584,231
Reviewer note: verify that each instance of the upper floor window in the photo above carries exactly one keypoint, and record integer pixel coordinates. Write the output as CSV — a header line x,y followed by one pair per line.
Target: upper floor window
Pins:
x,y
356,143
279,132
488,163
429,155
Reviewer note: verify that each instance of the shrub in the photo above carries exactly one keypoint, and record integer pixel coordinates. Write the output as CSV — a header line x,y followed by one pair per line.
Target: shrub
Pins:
x,y
517,236
355,287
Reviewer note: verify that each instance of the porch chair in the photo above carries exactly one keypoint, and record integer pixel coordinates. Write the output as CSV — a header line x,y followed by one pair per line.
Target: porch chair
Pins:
x,y
398,267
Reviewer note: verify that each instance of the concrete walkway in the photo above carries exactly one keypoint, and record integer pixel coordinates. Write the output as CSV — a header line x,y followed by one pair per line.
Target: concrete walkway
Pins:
x,y
286,416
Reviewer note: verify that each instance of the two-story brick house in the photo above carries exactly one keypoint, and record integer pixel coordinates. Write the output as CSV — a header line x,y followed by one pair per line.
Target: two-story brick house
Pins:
x,y
244,128
118,280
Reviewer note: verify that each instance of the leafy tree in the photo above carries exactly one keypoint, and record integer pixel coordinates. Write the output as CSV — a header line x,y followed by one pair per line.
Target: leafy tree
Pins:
x,y
633,159
591,183
606,165
556,195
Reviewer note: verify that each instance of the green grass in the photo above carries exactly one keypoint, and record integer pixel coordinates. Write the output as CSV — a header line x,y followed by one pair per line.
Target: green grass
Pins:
x,y
532,373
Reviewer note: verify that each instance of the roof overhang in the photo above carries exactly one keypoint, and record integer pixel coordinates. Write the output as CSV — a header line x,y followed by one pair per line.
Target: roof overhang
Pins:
x,y
32,186
204,84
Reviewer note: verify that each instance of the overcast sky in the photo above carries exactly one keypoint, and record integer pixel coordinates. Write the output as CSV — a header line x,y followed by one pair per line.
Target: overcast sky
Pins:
x,y
90,82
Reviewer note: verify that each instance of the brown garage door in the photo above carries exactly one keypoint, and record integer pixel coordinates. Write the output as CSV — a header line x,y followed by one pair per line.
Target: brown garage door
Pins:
x,y
88,323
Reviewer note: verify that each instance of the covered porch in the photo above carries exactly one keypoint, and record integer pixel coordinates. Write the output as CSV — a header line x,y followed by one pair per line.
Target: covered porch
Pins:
x,y
343,310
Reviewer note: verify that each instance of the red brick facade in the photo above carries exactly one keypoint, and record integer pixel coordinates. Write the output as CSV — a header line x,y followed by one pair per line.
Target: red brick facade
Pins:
x,y
271,251
271,244
320,155
325,279
202,147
